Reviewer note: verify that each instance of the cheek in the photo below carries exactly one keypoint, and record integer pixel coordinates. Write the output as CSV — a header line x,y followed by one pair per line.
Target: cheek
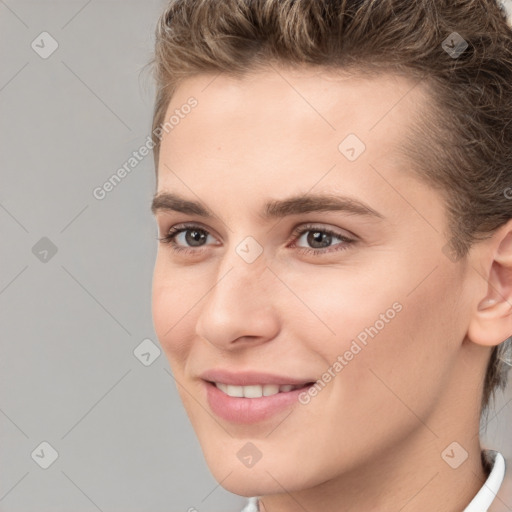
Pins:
x,y
397,339
338,305
407,364
173,301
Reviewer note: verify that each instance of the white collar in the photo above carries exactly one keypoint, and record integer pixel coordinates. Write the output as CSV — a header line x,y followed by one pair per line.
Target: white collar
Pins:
x,y
480,503
485,496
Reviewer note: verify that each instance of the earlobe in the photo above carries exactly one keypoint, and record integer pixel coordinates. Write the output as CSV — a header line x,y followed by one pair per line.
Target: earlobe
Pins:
x,y
491,323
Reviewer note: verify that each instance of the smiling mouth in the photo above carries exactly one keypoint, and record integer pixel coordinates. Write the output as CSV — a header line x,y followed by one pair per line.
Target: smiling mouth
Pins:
x,y
257,390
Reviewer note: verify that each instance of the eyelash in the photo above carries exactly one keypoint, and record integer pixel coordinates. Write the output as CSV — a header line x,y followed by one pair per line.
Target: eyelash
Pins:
x,y
297,233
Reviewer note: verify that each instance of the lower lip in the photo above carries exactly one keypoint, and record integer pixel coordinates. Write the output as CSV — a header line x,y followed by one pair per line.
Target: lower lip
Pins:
x,y
249,410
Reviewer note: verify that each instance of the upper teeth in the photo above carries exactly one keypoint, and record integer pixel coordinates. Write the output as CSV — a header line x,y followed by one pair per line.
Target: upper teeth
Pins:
x,y
255,391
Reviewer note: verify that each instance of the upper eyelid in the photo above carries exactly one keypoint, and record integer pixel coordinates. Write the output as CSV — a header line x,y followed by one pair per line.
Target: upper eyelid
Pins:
x,y
178,228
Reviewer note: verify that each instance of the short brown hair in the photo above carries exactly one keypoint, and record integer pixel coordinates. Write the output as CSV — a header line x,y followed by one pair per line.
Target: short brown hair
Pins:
x,y
469,122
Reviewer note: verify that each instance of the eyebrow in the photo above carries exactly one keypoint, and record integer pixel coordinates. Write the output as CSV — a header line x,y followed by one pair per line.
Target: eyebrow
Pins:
x,y
305,203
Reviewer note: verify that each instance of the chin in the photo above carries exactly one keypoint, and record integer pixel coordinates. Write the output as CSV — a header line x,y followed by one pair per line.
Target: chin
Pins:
x,y
252,484
263,478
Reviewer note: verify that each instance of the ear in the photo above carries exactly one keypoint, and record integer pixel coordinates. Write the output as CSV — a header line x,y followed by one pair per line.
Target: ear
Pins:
x,y
491,321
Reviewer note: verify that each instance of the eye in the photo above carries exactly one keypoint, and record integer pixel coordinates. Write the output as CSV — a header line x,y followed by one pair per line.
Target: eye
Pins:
x,y
192,239
194,235
320,239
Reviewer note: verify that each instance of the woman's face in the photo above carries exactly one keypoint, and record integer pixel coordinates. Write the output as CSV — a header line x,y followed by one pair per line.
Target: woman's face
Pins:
x,y
366,294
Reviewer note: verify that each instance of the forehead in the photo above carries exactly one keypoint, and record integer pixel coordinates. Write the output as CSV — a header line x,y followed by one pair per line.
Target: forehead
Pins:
x,y
284,130
281,109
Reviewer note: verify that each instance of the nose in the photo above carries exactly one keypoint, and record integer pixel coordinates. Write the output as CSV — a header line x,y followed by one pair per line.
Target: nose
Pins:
x,y
240,306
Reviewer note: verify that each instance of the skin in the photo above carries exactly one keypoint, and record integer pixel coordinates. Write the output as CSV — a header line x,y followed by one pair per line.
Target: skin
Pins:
x,y
372,439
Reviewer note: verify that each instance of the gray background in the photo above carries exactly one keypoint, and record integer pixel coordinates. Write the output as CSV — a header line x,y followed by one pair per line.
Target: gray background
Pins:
x,y
70,321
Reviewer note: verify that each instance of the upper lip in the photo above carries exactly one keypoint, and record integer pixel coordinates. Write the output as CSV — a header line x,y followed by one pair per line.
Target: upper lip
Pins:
x,y
250,378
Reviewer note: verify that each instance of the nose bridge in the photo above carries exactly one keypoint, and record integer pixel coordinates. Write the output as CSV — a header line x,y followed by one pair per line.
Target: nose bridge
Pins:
x,y
239,302
244,268
242,279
